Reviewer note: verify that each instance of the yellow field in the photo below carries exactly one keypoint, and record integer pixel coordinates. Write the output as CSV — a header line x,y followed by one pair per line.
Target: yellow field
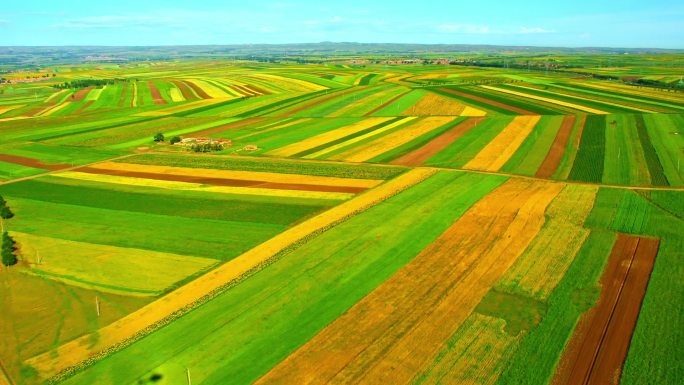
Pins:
x,y
175,94
187,186
211,90
266,177
52,110
292,83
497,152
52,362
391,141
326,137
359,138
433,104
105,268
543,265
4,109
418,309
554,101
474,358
134,102
470,111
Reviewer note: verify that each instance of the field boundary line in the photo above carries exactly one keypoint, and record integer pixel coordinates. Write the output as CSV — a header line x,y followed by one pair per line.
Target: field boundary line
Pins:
x,y
66,169
66,360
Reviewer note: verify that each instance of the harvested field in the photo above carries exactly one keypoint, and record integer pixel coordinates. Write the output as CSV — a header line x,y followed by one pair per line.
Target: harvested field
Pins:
x,y
487,101
555,154
394,332
198,90
598,347
80,94
504,145
185,90
417,157
186,297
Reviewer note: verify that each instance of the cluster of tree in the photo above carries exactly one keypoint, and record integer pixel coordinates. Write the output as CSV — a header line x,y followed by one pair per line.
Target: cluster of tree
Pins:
x,y
83,83
206,147
654,84
159,137
9,248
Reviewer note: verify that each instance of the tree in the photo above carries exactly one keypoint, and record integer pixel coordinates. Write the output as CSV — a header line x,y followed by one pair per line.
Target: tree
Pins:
x,y
8,250
5,212
159,137
175,140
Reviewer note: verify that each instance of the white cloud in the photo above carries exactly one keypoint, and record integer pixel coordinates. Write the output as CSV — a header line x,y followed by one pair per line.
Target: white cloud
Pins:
x,y
527,30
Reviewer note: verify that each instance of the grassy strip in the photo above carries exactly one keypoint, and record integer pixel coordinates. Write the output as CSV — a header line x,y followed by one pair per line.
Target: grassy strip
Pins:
x,y
285,166
588,166
658,177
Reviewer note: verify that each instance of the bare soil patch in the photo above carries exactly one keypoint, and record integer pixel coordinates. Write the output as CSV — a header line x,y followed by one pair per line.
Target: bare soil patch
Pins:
x,y
555,154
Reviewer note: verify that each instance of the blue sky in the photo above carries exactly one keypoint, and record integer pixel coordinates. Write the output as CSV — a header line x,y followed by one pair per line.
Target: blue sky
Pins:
x,y
573,23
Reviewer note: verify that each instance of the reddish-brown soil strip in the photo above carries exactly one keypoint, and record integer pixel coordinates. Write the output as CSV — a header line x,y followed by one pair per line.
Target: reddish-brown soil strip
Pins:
x,y
256,89
30,162
555,154
199,91
156,95
317,102
214,130
380,107
80,94
599,344
488,101
420,155
222,181
185,90
83,107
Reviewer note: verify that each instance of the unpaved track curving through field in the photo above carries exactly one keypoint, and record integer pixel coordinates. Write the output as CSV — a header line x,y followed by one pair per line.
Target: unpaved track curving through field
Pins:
x,y
599,345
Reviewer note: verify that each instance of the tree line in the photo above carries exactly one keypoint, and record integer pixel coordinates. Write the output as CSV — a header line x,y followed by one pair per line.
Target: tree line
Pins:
x,y
9,245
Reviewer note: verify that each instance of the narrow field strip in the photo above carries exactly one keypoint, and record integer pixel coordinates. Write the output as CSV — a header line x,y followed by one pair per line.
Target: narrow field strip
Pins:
x,y
327,137
549,100
420,155
598,347
386,143
188,186
154,315
416,310
359,138
495,154
30,162
555,155
250,177
487,101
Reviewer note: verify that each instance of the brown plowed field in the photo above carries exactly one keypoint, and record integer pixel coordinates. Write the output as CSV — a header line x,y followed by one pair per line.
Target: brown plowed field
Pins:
x,y
214,130
488,101
156,95
30,162
387,103
256,90
555,154
393,334
598,347
221,181
199,91
419,156
80,94
185,90
84,107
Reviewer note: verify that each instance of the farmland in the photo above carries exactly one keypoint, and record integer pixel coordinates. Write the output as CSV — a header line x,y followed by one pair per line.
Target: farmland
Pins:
x,y
347,222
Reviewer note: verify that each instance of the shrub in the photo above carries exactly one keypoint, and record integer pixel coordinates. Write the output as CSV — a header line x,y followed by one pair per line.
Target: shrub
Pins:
x,y
159,137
